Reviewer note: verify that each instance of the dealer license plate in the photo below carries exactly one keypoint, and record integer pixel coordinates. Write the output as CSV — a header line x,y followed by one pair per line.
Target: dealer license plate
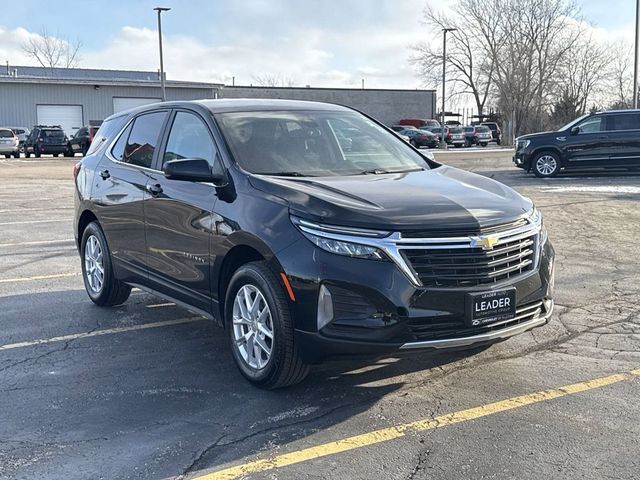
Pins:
x,y
489,307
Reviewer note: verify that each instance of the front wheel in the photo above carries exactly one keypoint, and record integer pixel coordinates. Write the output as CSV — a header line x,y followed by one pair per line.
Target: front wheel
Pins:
x,y
97,270
260,328
483,144
546,165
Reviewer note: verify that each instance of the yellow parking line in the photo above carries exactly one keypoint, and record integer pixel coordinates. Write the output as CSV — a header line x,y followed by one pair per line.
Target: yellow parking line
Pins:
x,y
386,434
37,277
98,333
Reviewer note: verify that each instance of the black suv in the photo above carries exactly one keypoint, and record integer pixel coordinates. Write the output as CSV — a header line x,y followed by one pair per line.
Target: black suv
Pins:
x,y
595,141
308,231
80,142
46,139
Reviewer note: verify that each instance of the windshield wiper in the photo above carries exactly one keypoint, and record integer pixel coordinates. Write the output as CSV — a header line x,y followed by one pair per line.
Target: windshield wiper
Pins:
x,y
286,174
380,171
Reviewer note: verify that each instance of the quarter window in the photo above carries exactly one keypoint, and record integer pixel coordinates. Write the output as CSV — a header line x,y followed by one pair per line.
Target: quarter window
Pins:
x,y
189,138
143,139
118,149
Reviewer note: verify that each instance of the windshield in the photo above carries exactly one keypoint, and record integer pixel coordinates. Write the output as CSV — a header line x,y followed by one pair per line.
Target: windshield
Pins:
x,y
573,122
315,143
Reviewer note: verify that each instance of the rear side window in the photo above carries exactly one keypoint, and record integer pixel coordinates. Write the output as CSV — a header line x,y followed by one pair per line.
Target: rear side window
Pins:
x,y
624,121
143,139
106,131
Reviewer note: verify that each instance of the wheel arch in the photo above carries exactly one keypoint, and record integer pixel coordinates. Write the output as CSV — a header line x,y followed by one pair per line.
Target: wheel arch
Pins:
x,y
86,217
245,248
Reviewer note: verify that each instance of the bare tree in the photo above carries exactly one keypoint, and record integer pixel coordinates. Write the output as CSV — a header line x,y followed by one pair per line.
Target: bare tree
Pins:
x,y
469,71
620,75
52,51
272,80
582,79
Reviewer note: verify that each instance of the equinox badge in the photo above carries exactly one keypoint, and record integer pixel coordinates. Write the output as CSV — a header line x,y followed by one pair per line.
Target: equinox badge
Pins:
x,y
487,242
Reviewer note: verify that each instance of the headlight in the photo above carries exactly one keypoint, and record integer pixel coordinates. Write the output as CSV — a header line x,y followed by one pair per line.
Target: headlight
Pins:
x,y
522,144
346,248
535,217
341,240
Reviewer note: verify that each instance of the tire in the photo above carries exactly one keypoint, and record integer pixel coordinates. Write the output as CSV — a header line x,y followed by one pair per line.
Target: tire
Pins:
x,y
26,153
7,155
56,154
413,144
546,165
283,366
483,144
458,145
69,153
36,152
16,154
498,142
111,291
467,144
85,149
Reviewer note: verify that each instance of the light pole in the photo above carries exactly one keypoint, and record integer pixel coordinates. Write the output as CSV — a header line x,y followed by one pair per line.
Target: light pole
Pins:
x,y
443,144
635,58
160,10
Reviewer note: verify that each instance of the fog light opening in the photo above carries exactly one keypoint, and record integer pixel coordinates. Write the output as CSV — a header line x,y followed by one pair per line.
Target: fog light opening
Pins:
x,y
325,307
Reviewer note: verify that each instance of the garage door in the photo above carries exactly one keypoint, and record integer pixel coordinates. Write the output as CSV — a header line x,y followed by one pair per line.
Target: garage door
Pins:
x,y
125,103
69,117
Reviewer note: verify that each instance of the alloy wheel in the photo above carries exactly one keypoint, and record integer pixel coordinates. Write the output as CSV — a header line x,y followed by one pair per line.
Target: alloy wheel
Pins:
x,y
546,165
252,327
94,264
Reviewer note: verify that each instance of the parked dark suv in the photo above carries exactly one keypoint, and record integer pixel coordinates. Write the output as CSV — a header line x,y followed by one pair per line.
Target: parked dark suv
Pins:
x,y
308,231
80,142
602,140
46,139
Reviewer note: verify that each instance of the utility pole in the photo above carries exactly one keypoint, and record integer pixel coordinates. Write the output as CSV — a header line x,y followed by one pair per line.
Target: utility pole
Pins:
x,y
160,10
443,143
635,58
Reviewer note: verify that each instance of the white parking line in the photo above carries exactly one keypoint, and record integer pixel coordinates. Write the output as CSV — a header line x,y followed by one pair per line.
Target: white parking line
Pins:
x,y
594,189
41,242
98,333
68,220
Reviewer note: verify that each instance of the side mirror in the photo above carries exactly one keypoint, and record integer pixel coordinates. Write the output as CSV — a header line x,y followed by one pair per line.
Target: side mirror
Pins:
x,y
575,130
193,170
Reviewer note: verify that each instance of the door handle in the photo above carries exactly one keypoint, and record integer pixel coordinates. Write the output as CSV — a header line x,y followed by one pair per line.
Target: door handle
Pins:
x,y
105,174
154,189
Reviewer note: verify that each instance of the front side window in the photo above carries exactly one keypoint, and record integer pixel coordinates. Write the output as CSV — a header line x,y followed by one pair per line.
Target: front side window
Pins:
x,y
591,125
143,139
315,143
189,138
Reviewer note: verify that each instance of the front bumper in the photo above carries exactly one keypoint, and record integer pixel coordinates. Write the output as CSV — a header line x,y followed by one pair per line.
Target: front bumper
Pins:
x,y
380,312
522,159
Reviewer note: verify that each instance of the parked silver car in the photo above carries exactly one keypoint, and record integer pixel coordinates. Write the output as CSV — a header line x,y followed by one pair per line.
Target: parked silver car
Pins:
x,y
9,143
22,133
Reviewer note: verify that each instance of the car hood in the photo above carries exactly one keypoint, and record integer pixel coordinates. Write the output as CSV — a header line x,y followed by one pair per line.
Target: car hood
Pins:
x,y
531,136
441,199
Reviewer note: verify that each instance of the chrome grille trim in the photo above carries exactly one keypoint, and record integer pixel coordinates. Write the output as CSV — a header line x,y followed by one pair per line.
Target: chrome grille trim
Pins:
x,y
394,244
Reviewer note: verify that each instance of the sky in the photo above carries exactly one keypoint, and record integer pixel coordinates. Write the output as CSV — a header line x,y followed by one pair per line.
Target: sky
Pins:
x,y
323,43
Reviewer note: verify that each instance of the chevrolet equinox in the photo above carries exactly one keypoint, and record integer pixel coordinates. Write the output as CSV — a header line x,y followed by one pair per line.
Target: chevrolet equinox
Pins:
x,y
308,231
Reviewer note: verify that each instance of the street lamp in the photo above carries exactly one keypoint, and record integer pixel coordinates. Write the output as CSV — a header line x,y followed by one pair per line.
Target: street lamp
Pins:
x,y
635,58
443,144
160,10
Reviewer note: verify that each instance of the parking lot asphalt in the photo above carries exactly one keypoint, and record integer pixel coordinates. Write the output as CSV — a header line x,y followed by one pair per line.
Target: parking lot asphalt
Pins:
x,y
148,390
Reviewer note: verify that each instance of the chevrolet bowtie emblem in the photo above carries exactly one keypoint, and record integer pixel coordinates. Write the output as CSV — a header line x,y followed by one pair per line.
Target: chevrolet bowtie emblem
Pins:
x,y
486,242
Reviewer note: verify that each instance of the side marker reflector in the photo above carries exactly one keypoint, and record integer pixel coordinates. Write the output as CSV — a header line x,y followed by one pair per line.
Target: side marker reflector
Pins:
x,y
287,285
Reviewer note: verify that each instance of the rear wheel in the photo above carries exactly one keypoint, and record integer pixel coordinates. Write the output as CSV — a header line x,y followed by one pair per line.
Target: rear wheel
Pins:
x,y
56,154
97,270
7,155
546,165
36,152
260,328
16,154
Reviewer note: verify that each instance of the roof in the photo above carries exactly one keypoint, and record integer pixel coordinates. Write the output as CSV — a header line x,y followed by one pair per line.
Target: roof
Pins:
x,y
239,105
91,76
260,87
628,110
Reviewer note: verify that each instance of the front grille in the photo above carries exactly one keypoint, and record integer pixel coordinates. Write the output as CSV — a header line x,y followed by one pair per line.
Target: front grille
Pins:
x,y
446,327
469,267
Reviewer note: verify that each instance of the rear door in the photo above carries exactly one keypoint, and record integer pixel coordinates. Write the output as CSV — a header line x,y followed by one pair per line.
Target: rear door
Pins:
x,y
624,131
589,146
179,216
121,190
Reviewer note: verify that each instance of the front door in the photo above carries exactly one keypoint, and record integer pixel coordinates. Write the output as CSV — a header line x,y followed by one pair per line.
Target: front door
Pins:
x,y
588,145
178,217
